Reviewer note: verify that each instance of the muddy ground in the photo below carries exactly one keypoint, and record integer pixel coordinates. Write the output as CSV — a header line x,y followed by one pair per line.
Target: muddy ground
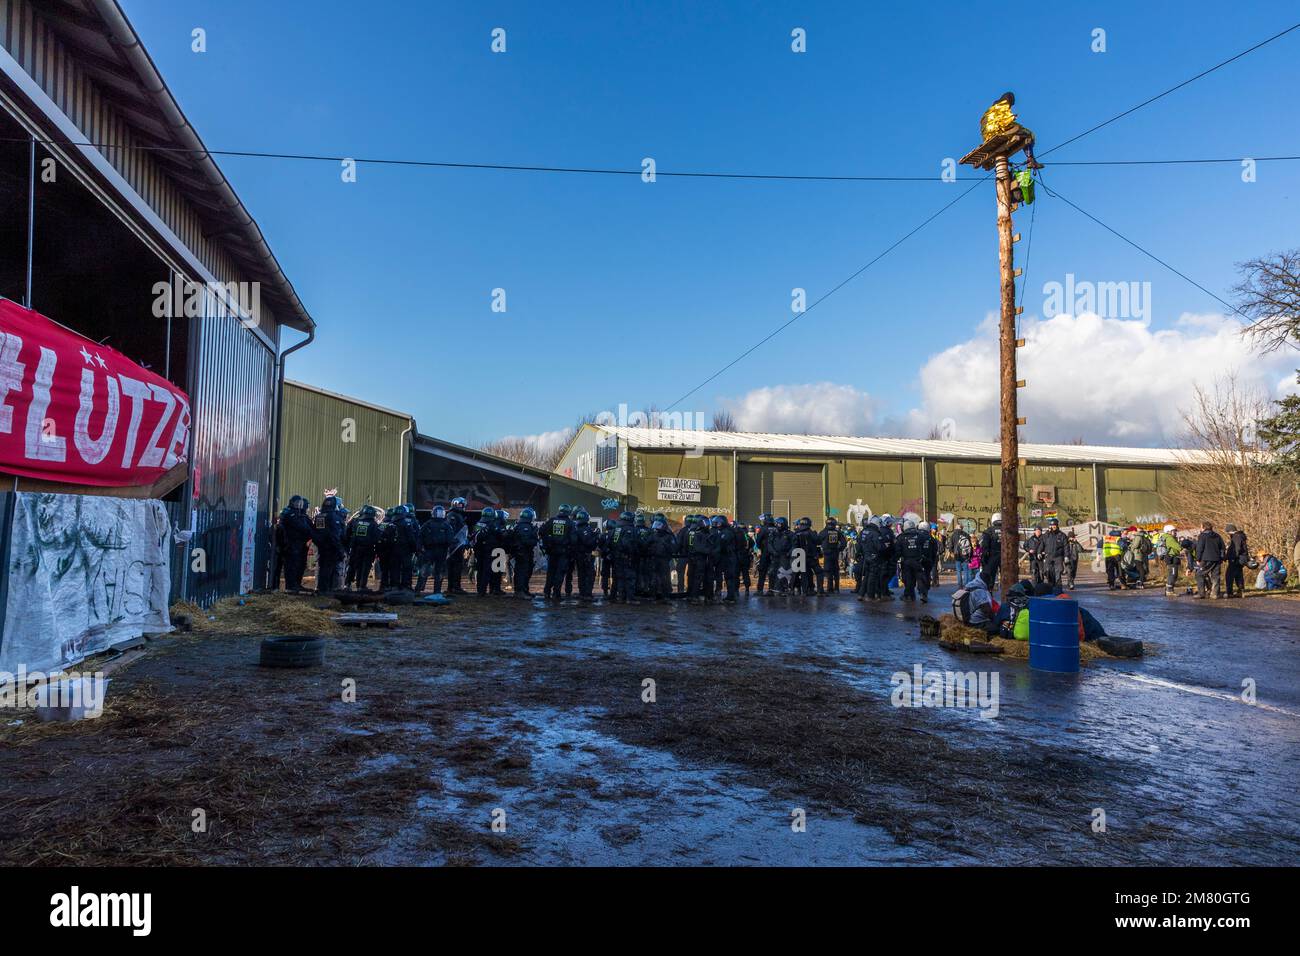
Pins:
x,y
534,715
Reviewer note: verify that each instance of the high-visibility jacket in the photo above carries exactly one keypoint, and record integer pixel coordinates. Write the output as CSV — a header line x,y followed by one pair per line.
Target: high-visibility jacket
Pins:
x,y
1110,546
1172,548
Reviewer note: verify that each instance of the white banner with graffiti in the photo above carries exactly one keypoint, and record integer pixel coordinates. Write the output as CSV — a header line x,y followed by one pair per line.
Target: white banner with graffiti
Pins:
x,y
85,573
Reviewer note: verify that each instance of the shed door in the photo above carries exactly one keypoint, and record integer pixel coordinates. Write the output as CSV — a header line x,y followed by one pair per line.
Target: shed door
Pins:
x,y
795,491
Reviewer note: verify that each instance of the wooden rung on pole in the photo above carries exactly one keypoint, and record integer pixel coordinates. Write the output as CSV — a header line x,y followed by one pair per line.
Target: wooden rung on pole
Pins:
x,y
1018,273
1019,309
1020,383
1016,237
1020,343
1020,421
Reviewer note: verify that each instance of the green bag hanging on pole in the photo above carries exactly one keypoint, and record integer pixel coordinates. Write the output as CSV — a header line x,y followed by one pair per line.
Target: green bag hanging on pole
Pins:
x,y
1025,179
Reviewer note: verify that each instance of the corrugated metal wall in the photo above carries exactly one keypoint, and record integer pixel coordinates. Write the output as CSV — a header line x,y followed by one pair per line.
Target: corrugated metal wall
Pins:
x,y
329,442
232,384
967,489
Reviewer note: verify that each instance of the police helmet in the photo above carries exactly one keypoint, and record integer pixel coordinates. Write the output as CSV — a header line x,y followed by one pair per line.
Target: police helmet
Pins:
x,y
439,511
997,518
298,503
831,522
330,503
503,514
782,522
563,511
610,524
717,521
528,514
581,516
909,524
803,523
876,521
659,524
369,511
626,516
488,513
398,511
458,504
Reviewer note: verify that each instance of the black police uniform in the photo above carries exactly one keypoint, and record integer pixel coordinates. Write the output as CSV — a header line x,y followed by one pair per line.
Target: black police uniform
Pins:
x,y
296,533
557,541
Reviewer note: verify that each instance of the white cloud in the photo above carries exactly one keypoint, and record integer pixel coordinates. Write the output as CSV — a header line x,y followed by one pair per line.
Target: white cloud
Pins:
x,y
821,408
544,442
1108,381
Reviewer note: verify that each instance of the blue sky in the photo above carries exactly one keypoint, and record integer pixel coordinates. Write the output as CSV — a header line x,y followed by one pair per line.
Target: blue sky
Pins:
x,y
620,291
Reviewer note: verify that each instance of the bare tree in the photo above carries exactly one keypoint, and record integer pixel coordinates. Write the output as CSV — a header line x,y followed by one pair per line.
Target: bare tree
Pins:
x,y
527,450
936,433
1269,296
1224,477
724,422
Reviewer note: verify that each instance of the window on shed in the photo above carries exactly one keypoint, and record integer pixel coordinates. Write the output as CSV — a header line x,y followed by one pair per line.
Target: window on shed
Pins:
x,y
607,455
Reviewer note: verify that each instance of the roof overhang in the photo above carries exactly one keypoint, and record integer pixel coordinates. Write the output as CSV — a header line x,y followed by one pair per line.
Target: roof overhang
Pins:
x,y
480,459
106,46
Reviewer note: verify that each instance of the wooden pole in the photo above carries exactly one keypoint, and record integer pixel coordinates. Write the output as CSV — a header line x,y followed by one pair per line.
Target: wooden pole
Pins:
x,y
1007,349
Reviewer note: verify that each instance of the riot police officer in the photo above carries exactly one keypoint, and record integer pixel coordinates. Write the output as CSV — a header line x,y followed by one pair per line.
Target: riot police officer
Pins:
x,y
487,543
558,536
585,538
436,537
702,548
809,580
361,539
663,545
295,532
779,546
832,543
869,545
625,545
606,553
916,552
456,554
523,540
328,529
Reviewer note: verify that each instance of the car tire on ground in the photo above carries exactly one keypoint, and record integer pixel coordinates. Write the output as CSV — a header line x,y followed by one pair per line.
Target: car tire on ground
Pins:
x,y
1120,646
293,651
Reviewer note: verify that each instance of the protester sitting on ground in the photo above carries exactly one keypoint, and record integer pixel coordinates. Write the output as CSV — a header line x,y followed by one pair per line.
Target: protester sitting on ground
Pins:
x,y
1272,573
983,609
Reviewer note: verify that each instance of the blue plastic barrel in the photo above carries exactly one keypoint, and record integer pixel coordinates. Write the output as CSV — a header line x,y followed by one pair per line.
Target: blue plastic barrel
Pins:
x,y
1054,635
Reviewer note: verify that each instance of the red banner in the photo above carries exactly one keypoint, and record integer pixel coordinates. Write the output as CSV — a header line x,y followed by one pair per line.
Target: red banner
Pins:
x,y
77,412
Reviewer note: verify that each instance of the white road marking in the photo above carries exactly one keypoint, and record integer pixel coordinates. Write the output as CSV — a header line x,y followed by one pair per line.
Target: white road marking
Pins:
x,y
1206,692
